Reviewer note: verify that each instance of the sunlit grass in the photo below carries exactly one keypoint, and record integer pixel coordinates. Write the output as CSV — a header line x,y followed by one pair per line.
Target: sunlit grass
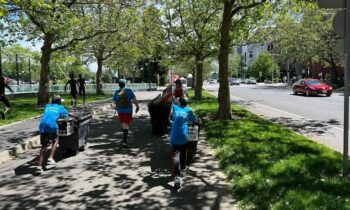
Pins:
x,y
270,166
24,107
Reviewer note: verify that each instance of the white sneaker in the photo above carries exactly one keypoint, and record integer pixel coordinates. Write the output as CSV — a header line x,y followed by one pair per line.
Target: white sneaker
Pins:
x,y
177,182
39,170
51,163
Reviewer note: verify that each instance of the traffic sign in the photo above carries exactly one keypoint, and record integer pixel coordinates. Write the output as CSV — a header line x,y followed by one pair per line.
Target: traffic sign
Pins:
x,y
339,24
331,3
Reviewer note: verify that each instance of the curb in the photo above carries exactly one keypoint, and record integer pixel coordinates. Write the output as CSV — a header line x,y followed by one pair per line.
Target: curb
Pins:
x,y
9,154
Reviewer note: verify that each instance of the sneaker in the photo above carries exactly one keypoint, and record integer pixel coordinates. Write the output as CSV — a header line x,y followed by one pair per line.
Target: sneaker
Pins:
x,y
50,163
177,182
2,115
39,170
125,145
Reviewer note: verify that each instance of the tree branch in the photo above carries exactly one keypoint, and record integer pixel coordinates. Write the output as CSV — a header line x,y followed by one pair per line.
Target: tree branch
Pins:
x,y
245,7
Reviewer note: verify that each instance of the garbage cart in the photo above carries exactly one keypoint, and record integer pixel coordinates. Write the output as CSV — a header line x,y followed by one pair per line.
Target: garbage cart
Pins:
x,y
73,131
159,113
192,141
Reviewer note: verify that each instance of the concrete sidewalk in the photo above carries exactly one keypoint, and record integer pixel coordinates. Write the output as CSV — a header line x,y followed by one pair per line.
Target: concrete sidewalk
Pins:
x,y
19,137
107,176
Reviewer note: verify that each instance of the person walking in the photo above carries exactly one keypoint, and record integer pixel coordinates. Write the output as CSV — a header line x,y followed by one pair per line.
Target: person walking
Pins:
x,y
3,98
81,84
48,130
180,116
123,99
73,89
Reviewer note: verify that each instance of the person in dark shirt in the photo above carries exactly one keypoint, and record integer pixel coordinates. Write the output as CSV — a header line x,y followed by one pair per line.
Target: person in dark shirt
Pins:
x,y
73,88
81,83
3,98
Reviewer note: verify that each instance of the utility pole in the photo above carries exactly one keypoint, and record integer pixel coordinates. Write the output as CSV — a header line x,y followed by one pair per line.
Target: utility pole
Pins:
x,y
17,74
30,72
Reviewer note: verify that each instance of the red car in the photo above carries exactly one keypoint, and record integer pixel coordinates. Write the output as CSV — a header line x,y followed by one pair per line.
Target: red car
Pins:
x,y
311,87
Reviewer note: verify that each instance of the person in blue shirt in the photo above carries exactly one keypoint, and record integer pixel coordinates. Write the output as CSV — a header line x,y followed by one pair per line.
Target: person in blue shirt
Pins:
x,y
48,130
123,99
181,115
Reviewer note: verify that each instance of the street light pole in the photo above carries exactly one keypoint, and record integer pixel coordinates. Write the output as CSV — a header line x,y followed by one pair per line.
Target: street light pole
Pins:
x,y
0,60
30,72
17,74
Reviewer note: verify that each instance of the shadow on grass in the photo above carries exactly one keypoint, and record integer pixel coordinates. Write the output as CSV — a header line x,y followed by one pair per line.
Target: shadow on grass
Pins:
x,y
271,167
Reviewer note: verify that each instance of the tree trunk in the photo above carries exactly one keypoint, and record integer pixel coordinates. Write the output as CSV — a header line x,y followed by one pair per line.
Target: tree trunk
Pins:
x,y
199,78
46,50
99,90
334,74
224,91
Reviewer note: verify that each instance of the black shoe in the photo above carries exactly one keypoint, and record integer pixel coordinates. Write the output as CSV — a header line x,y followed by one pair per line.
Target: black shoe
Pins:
x,y
2,115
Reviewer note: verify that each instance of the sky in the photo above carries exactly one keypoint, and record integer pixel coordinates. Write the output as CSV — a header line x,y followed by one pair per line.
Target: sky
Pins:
x,y
92,66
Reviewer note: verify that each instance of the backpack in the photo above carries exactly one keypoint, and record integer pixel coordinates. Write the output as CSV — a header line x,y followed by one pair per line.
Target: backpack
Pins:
x,y
123,99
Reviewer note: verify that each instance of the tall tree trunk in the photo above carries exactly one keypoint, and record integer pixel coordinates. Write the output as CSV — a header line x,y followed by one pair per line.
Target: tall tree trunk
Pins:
x,y
99,90
46,50
193,77
334,74
199,78
224,91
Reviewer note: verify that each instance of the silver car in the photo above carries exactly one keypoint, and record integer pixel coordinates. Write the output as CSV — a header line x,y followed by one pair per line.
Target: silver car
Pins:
x,y
251,80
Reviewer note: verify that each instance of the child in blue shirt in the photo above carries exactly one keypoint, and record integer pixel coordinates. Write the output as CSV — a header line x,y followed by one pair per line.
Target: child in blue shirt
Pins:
x,y
181,115
48,130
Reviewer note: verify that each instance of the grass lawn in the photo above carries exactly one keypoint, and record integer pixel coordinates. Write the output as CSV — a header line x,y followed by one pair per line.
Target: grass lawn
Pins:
x,y
25,107
270,166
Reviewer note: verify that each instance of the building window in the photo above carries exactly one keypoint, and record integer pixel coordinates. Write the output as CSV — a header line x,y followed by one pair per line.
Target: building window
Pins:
x,y
250,54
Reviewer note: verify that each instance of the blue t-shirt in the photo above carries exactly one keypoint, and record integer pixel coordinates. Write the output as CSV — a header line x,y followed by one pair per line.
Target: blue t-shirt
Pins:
x,y
179,130
130,96
52,113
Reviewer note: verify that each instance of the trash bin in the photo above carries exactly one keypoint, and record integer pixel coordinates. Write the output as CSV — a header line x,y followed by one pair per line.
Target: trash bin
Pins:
x,y
159,114
73,131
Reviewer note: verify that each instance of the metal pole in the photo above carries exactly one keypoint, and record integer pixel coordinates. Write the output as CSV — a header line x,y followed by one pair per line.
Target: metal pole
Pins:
x,y
30,72
149,75
17,69
346,92
0,61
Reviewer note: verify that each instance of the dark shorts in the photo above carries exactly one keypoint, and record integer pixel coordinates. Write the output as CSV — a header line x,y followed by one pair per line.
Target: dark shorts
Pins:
x,y
5,101
125,117
46,138
74,93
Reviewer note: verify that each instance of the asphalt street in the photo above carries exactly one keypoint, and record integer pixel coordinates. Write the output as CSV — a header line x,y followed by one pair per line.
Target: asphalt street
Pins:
x,y
318,117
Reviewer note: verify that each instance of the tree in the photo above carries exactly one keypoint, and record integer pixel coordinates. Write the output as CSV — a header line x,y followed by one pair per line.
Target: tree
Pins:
x,y
192,30
265,64
58,24
243,13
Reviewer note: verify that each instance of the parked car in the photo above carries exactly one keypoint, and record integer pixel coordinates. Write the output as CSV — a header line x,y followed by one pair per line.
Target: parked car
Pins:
x,y
244,81
251,80
235,81
212,81
311,87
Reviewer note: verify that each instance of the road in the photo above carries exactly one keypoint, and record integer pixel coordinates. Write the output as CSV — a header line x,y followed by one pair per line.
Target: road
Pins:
x,y
319,117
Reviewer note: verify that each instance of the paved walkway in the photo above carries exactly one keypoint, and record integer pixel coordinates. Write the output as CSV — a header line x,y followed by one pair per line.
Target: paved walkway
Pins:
x,y
14,134
107,176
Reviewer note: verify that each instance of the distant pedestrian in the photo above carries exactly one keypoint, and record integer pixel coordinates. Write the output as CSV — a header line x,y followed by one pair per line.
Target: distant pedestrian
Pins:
x,y
179,91
123,98
73,89
3,98
48,130
180,116
81,83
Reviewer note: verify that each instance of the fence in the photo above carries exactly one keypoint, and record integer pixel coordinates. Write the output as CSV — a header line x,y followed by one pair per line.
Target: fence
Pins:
x,y
89,88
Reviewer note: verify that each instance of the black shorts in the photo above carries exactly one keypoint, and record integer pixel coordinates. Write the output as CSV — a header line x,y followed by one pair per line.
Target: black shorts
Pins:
x,y
46,138
5,101
74,93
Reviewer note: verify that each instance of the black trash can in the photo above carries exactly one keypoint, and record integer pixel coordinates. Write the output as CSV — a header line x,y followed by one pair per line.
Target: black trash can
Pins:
x,y
159,114
75,141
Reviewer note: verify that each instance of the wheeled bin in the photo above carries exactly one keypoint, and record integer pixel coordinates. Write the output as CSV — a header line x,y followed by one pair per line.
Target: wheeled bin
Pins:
x,y
73,131
192,141
159,114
